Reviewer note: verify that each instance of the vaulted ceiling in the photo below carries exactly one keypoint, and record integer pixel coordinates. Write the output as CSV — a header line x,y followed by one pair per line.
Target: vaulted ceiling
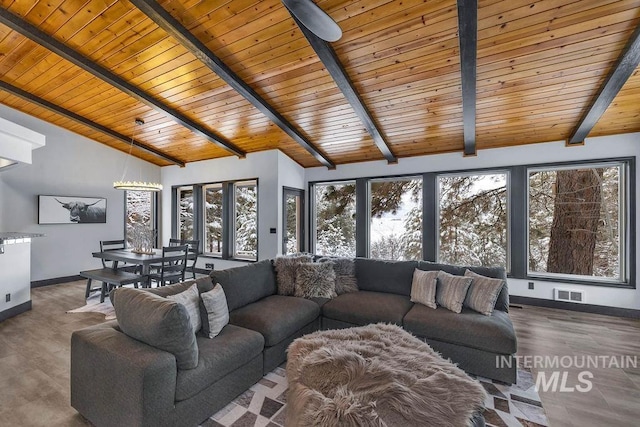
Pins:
x,y
94,66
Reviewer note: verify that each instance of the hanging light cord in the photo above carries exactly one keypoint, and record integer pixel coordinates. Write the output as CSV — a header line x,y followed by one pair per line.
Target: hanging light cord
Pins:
x,y
133,135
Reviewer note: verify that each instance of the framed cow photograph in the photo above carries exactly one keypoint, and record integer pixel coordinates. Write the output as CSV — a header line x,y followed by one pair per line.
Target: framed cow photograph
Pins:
x,y
71,210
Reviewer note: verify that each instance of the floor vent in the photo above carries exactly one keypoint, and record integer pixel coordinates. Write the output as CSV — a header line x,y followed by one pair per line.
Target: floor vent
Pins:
x,y
569,295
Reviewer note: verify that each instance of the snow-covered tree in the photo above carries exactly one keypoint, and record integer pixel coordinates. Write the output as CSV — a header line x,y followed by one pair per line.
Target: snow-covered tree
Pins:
x,y
246,225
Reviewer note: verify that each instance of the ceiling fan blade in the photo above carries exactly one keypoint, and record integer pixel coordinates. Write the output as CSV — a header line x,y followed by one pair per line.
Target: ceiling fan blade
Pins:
x,y
315,19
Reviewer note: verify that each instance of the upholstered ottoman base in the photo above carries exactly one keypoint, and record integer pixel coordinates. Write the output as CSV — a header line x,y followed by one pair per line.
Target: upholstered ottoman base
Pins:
x,y
376,375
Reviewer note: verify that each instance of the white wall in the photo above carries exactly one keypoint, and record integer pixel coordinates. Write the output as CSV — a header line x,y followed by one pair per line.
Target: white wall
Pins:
x,y
594,148
71,165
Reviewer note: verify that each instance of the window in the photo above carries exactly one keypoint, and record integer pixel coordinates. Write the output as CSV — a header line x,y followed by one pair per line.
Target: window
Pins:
x,y
139,212
185,213
576,215
222,215
293,209
395,225
335,219
213,237
473,219
565,222
246,220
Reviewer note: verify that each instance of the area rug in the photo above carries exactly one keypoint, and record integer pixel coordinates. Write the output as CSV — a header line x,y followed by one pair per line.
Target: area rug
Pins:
x,y
264,404
94,305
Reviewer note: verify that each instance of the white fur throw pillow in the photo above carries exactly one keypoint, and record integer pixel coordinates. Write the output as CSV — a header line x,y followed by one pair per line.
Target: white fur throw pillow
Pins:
x,y
317,280
215,302
286,272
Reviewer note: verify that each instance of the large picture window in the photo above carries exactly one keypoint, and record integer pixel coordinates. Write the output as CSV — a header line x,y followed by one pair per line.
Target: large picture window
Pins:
x,y
213,205
185,213
575,221
335,219
246,220
139,212
221,215
571,222
473,219
395,225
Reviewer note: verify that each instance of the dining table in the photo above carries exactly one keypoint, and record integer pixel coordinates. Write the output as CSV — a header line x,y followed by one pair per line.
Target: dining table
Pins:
x,y
143,259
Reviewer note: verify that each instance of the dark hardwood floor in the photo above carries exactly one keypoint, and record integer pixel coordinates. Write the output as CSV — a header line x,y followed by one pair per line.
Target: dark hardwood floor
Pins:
x,y
34,361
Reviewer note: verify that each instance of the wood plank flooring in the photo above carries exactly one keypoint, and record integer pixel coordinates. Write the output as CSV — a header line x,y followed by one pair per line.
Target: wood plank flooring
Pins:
x,y
34,361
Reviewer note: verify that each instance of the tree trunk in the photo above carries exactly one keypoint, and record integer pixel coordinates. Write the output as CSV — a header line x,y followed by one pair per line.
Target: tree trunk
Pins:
x,y
575,221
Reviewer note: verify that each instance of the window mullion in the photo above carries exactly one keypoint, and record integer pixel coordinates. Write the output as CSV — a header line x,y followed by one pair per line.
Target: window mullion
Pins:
x,y
429,217
362,217
518,221
227,220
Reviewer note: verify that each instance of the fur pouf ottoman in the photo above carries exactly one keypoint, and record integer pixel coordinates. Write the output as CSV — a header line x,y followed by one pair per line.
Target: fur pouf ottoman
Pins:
x,y
376,375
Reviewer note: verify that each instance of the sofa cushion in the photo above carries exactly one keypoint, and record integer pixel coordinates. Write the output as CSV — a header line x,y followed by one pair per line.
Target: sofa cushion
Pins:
x,y
385,276
469,328
287,271
502,303
345,269
158,322
246,284
228,351
276,317
215,303
191,301
315,280
483,293
363,307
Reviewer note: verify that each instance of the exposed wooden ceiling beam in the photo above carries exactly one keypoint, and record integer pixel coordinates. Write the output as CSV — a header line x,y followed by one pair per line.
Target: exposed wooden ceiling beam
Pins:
x,y
333,65
26,29
171,25
627,63
468,38
89,123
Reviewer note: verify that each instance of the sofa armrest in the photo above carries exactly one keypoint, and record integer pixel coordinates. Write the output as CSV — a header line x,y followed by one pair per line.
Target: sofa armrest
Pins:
x,y
117,380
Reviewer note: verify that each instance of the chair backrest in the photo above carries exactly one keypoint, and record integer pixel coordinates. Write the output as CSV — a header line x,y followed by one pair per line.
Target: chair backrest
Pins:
x,y
174,260
110,245
194,249
175,242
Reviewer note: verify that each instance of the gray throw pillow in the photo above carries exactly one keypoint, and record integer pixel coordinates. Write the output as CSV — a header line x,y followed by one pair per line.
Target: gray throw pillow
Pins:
x,y
483,293
423,287
316,281
287,270
452,291
215,302
191,301
158,322
345,269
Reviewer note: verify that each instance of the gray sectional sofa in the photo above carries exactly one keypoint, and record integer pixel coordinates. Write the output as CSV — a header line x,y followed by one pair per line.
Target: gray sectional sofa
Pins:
x,y
117,380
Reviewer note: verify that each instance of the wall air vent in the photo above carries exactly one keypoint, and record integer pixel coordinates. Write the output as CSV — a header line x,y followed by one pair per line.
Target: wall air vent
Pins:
x,y
568,295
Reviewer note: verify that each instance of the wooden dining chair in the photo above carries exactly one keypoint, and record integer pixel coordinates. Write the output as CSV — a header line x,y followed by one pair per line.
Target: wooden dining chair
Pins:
x,y
175,242
194,249
112,245
111,275
173,266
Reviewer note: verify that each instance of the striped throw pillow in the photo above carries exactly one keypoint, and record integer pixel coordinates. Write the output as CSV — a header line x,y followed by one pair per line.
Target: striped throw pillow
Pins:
x,y
423,287
483,293
452,291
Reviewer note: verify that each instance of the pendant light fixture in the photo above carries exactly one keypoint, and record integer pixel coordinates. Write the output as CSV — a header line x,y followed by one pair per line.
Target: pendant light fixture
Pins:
x,y
135,185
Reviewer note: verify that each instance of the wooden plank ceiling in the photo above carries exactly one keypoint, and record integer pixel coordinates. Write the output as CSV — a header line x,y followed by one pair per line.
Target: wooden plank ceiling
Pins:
x,y
540,63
